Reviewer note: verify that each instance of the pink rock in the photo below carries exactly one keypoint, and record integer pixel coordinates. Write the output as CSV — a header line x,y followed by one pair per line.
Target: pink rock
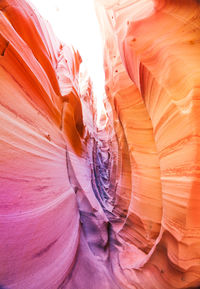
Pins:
x,y
114,206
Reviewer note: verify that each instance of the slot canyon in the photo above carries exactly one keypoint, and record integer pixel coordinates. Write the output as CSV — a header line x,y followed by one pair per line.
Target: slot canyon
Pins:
x,y
108,204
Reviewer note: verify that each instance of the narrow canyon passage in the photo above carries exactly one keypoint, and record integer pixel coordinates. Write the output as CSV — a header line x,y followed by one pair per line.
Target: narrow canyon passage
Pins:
x,y
113,203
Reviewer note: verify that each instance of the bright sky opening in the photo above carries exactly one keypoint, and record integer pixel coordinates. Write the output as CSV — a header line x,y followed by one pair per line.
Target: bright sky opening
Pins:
x,y
75,23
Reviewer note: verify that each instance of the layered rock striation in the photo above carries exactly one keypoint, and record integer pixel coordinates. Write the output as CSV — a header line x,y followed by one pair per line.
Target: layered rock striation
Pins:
x,y
113,206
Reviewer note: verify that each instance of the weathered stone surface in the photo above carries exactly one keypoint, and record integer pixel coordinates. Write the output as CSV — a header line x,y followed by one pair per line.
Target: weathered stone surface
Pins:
x,y
152,79
114,206
45,174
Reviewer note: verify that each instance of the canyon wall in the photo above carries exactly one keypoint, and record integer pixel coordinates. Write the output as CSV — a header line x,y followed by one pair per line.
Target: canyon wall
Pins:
x,y
113,206
152,82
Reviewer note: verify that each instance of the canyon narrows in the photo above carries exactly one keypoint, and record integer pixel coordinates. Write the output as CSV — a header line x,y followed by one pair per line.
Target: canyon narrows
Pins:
x,y
114,205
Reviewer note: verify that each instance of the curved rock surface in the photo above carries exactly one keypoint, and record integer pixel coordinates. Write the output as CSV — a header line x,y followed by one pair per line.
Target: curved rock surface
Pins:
x,y
114,206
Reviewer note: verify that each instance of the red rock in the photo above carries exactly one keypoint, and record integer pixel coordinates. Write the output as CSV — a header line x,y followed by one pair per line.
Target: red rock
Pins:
x,y
152,79
113,206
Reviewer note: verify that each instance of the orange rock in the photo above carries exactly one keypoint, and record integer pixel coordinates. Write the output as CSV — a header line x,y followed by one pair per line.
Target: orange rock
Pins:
x,y
108,206
155,44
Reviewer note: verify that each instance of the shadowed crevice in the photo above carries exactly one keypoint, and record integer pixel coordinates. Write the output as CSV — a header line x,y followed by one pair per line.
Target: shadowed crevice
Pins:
x,y
43,251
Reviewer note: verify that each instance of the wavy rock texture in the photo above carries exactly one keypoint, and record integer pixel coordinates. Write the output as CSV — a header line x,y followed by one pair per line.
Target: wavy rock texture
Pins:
x,y
47,205
114,206
152,70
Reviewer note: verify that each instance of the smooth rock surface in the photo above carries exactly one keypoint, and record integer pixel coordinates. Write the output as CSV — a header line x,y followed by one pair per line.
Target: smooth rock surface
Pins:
x,y
114,206
152,70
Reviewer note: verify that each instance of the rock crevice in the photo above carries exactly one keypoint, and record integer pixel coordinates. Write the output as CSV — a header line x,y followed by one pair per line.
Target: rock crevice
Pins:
x,y
114,205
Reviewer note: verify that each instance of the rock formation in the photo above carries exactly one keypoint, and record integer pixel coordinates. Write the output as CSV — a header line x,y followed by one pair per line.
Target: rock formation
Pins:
x,y
114,206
